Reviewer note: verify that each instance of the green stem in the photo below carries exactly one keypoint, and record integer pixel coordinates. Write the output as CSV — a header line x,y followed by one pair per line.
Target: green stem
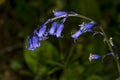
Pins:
x,y
111,49
68,15
70,54
71,51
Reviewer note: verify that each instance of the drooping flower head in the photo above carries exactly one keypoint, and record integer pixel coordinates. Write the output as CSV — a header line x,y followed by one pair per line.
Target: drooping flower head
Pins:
x,y
33,43
56,29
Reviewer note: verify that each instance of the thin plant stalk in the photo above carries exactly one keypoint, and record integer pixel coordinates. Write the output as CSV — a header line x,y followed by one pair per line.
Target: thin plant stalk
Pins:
x,y
70,54
107,40
111,49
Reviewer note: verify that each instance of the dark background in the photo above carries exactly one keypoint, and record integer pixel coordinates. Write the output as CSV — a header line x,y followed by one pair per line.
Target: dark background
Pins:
x,y
18,19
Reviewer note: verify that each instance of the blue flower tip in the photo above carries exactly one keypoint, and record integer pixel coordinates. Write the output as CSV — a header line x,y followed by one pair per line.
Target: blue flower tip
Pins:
x,y
93,57
59,13
77,34
33,43
53,28
59,30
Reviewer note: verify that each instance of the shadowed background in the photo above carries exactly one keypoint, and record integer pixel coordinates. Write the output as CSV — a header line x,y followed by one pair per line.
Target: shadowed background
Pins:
x,y
18,19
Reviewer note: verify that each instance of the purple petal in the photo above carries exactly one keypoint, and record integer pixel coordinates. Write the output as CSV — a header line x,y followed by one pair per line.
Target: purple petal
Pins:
x,y
33,43
59,30
94,57
59,13
77,34
41,31
53,28
89,30
43,38
87,27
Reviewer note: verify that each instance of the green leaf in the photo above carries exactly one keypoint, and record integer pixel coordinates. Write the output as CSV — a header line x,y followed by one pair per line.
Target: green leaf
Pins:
x,y
42,59
94,77
118,78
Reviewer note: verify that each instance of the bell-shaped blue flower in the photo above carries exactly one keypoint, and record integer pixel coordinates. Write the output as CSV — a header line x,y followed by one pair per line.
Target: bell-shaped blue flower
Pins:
x,y
94,57
77,34
53,28
44,37
59,13
33,43
84,28
59,30
87,27
41,33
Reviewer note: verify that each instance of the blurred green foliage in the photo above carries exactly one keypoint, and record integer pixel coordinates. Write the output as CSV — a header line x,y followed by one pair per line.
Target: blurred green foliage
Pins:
x,y
42,56
18,19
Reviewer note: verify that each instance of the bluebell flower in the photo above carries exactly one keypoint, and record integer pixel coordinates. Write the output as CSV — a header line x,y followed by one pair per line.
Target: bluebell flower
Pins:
x,y
44,37
94,57
41,33
59,13
77,34
87,27
84,28
59,30
33,43
53,28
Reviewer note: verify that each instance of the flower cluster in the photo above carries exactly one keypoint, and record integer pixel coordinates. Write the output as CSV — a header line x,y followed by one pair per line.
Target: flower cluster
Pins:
x,y
42,33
